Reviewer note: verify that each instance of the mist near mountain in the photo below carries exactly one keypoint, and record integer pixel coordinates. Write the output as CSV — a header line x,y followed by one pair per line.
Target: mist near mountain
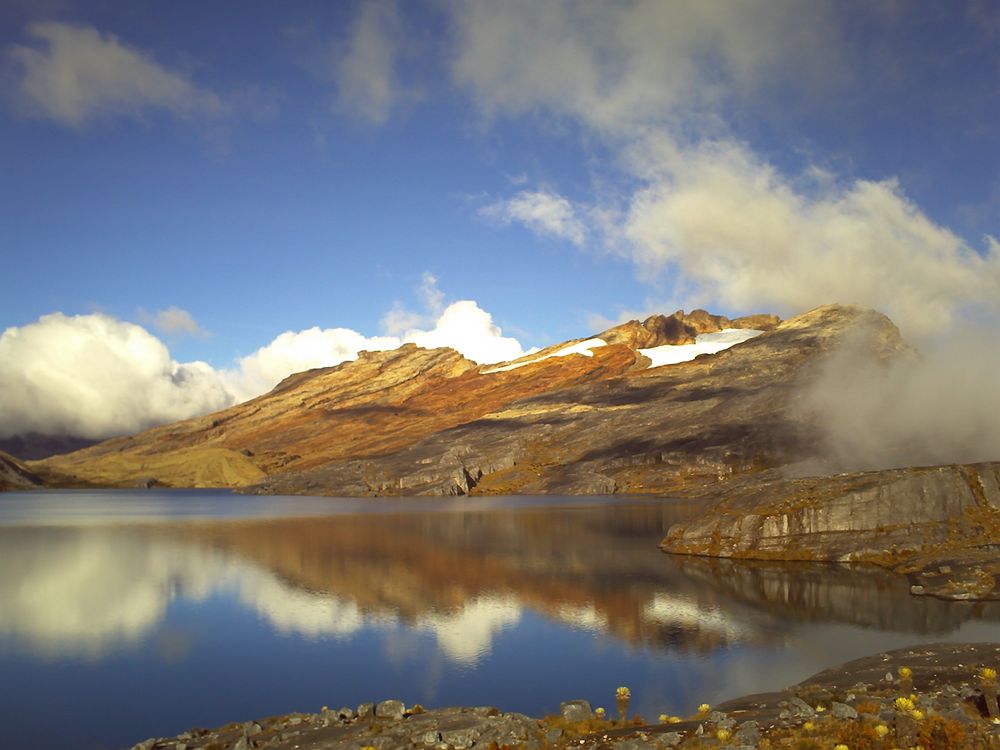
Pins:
x,y
938,404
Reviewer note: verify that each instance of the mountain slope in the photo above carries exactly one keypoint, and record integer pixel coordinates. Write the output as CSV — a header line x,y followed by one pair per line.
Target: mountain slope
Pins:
x,y
677,429
379,405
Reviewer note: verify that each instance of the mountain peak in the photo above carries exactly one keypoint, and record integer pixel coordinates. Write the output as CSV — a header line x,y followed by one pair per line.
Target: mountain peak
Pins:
x,y
680,328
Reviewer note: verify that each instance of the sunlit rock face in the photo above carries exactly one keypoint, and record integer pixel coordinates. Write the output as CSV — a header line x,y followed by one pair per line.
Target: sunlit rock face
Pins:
x,y
677,430
385,423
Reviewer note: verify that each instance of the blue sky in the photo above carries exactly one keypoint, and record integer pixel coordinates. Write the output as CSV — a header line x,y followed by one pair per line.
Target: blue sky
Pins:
x,y
221,174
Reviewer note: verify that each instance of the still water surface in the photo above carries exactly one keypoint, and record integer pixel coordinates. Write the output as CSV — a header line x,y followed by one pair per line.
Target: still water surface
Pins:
x,y
125,615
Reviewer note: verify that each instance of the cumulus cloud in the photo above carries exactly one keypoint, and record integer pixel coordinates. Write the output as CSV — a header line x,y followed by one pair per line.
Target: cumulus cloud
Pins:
x,y
469,329
542,212
692,206
295,351
94,376
366,77
462,325
741,233
75,74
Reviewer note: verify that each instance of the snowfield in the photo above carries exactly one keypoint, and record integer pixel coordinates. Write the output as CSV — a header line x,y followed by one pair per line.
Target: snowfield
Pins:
x,y
705,343
581,347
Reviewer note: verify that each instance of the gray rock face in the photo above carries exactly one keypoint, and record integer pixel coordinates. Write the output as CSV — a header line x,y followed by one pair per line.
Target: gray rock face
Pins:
x,y
846,517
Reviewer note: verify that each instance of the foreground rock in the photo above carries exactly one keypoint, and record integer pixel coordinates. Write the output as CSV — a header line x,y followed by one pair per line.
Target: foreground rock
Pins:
x,y
934,696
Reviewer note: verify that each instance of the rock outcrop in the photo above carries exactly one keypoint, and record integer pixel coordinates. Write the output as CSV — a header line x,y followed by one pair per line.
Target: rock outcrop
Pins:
x,y
867,516
680,328
14,475
938,525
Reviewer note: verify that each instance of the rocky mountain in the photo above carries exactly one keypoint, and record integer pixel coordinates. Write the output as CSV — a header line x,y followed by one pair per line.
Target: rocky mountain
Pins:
x,y
677,430
730,428
385,415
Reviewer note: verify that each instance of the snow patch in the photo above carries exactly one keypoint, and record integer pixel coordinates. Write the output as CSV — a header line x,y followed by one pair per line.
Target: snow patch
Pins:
x,y
705,343
581,347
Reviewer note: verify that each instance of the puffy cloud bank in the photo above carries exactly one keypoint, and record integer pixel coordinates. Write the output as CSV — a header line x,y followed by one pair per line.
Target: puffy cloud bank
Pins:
x,y
95,376
741,233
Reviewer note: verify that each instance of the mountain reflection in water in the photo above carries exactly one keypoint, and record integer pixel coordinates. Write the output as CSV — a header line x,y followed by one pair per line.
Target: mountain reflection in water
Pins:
x,y
436,607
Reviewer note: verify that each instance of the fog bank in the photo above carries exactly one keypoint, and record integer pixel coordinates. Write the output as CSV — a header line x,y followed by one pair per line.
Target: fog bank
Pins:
x,y
938,405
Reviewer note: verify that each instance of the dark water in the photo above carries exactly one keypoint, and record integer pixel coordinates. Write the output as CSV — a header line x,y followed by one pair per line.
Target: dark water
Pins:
x,y
128,615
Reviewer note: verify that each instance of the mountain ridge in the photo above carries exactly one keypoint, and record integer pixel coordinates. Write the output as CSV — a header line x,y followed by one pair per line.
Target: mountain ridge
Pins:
x,y
374,405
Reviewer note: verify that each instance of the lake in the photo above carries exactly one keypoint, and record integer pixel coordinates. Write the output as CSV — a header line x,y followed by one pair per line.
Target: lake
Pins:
x,y
125,615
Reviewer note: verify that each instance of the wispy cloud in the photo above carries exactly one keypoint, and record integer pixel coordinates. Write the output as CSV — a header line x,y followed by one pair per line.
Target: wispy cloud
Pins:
x,y
173,321
366,73
543,212
623,65
76,75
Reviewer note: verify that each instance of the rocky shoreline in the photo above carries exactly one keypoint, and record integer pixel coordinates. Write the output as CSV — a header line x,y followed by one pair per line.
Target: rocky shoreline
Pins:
x,y
937,697
938,525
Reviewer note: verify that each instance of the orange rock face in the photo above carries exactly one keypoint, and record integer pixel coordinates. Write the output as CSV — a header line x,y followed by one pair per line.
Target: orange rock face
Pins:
x,y
417,421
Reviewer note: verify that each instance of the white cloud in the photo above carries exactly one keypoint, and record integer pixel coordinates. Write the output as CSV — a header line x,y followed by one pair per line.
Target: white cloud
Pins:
x,y
542,212
173,321
96,376
690,205
743,234
93,376
75,74
366,78
468,328
296,351
462,326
